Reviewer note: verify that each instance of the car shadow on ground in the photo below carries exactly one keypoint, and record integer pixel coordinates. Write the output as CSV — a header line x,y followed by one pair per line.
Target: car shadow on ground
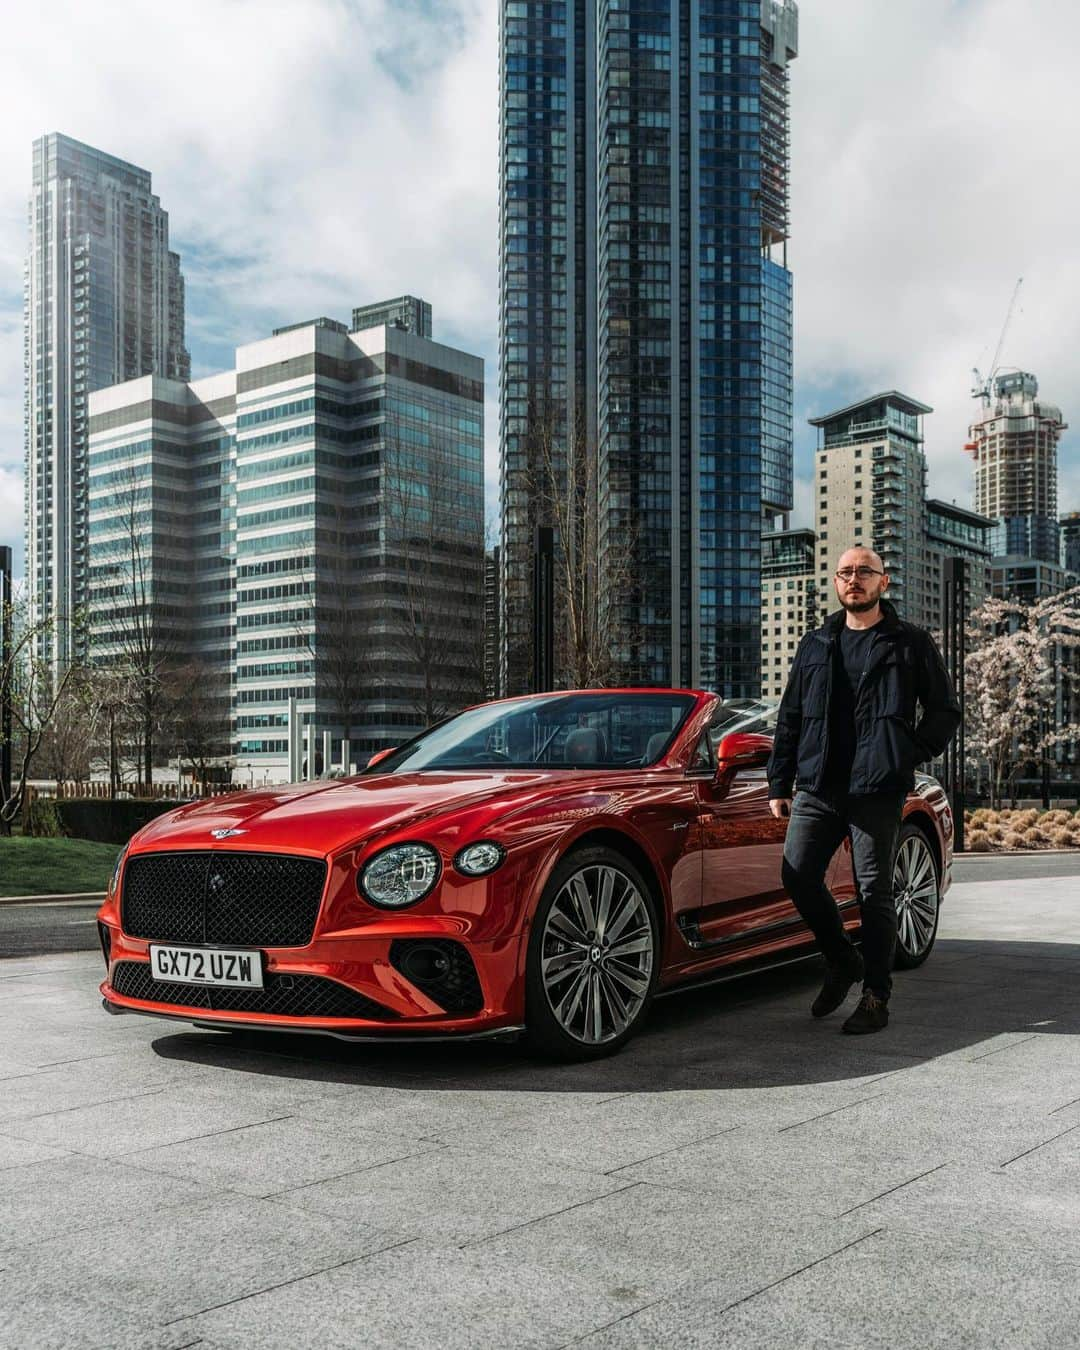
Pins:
x,y
752,1032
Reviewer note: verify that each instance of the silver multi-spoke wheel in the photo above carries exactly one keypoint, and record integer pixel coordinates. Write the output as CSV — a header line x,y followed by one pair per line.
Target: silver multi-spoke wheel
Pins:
x,y
915,891
596,954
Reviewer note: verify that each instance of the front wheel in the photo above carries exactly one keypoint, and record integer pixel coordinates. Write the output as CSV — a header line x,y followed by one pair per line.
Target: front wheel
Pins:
x,y
916,892
593,959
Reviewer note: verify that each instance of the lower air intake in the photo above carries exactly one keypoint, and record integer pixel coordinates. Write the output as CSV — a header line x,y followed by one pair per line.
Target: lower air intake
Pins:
x,y
283,995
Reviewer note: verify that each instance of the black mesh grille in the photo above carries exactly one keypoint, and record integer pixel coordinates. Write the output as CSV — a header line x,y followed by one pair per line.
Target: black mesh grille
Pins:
x,y
450,979
285,995
250,899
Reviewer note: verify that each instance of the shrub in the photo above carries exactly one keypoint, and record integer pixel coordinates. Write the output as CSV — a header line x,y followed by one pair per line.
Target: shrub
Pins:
x,y
1013,839
978,841
1022,819
1063,837
110,820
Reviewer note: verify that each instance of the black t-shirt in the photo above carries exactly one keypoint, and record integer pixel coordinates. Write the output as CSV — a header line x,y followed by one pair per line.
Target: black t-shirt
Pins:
x,y
850,656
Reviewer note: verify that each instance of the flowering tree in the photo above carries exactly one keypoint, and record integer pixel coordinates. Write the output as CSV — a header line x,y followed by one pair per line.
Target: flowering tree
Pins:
x,y
1017,654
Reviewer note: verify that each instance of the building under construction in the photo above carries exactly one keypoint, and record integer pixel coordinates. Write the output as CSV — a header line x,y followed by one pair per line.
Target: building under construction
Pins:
x,y
1014,447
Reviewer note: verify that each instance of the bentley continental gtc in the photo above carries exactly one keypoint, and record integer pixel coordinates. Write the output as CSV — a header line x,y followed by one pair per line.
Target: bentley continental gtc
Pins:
x,y
540,867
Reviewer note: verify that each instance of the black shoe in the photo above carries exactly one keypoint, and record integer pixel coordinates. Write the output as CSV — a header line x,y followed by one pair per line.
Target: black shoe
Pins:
x,y
872,1014
838,980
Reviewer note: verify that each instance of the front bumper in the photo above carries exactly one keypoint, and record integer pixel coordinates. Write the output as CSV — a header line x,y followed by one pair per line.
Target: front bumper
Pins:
x,y
352,987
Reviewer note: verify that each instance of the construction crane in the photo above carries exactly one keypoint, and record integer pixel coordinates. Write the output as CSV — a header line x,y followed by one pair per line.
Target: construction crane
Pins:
x,y
984,388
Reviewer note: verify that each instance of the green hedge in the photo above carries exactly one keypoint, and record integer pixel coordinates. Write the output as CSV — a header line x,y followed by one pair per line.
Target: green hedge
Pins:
x,y
109,820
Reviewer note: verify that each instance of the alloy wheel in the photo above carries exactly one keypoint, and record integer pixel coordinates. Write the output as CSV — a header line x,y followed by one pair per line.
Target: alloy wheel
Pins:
x,y
596,954
915,891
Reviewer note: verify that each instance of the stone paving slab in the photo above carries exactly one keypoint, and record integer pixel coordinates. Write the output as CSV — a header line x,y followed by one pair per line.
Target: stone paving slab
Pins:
x,y
740,1175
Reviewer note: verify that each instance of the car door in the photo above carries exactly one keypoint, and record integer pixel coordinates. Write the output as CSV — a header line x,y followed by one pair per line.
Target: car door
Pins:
x,y
742,901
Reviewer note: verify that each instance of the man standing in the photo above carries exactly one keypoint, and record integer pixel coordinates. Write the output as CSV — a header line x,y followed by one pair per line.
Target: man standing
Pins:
x,y
847,740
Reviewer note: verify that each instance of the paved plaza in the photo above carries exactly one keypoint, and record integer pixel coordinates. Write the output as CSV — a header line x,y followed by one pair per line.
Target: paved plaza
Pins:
x,y
739,1176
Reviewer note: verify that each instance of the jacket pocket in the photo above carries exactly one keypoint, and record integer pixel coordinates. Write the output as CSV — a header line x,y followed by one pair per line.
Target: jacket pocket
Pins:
x,y
904,751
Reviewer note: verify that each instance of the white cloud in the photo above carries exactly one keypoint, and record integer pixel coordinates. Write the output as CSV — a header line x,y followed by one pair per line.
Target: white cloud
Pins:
x,y
314,154
934,162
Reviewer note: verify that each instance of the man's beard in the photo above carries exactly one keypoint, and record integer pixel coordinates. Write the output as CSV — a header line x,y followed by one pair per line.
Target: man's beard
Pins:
x,y
859,606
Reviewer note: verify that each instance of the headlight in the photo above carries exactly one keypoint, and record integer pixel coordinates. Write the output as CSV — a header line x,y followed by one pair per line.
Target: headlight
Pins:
x,y
116,870
477,860
399,875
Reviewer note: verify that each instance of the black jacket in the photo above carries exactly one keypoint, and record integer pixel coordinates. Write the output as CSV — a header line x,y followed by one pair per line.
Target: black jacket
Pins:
x,y
903,668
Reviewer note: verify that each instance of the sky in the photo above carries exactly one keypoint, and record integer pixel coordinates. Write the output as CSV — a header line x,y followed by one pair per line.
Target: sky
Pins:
x,y
317,154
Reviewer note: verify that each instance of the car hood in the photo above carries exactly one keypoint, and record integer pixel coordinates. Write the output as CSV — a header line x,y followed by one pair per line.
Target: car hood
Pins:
x,y
320,818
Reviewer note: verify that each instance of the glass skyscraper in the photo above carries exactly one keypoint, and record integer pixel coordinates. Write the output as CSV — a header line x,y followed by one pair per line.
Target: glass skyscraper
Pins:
x,y
104,302
645,310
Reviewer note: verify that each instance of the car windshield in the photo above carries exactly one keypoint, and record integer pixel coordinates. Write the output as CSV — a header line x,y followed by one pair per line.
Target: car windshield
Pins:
x,y
563,731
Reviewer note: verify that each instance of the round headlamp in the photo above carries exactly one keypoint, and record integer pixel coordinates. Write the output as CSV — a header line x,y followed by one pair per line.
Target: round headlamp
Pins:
x,y
399,875
477,860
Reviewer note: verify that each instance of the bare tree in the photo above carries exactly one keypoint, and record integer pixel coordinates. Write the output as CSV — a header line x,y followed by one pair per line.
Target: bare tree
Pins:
x,y
35,692
434,576
143,631
595,553
200,721
67,745
1011,673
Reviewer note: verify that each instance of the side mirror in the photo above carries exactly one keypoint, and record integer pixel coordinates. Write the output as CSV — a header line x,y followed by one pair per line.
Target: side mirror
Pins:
x,y
380,754
741,750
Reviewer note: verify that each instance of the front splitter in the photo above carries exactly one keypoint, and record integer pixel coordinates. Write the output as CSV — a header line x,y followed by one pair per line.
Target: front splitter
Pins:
x,y
505,1034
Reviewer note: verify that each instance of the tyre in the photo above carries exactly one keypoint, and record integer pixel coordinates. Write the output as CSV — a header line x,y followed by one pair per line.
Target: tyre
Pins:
x,y
594,957
917,894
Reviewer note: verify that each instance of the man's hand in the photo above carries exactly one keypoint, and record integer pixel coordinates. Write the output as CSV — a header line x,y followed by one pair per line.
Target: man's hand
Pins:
x,y
780,806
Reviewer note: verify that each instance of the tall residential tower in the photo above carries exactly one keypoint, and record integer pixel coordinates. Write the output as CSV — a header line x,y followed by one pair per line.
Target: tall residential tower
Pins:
x,y
104,302
645,313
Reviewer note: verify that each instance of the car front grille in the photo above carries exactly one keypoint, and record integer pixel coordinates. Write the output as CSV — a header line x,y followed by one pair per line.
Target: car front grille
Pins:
x,y
249,899
284,995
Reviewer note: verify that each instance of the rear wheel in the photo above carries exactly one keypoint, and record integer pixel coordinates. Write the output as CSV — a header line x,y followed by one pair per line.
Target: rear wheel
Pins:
x,y
916,892
593,959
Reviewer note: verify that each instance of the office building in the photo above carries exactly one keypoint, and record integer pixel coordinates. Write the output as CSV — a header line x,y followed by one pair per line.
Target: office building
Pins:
x,y
645,315
1069,527
953,532
1013,445
791,603
314,525
870,489
491,623
104,302
404,311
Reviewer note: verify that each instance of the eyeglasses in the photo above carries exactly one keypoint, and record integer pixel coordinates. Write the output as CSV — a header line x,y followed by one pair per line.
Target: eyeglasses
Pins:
x,y
863,573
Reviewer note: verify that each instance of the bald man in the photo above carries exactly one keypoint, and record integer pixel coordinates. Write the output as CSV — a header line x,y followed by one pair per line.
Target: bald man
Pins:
x,y
848,742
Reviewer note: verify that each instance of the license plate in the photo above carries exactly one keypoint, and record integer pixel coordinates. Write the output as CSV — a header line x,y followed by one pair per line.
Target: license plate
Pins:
x,y
205,965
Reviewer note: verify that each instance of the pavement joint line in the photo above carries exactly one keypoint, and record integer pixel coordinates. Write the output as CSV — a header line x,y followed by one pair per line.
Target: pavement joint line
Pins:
x,y
1056,1108
1036,1147
802,1269
821,1116
541,1218
974,1059
297,1279
276,1196
85,1106
193,1138
892,1189
677,1148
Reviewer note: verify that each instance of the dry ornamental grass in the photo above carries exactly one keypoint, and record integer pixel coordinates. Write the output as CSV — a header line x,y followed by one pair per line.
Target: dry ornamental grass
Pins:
x,y
989,830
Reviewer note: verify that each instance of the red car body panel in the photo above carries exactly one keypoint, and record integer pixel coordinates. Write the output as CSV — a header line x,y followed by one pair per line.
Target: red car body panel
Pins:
x,y
711,854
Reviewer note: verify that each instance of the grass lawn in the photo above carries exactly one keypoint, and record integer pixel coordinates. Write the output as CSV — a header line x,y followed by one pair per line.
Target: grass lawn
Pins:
x,y
54,866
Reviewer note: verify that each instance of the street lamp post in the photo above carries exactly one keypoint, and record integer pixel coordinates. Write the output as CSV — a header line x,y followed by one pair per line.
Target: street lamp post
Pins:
x,y
954,642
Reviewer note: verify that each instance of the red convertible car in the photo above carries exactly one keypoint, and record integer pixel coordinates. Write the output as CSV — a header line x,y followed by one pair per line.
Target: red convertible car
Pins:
x,y
542,865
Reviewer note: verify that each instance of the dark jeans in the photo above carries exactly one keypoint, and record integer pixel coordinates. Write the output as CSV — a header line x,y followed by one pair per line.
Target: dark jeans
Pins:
x,y
815,831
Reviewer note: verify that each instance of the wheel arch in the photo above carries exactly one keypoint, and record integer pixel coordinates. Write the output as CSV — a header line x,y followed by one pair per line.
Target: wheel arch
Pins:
x,y
634,853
